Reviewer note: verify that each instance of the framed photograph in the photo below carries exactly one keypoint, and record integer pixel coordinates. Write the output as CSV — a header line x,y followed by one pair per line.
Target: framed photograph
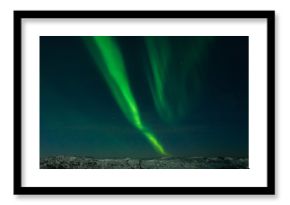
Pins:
x,y
144,102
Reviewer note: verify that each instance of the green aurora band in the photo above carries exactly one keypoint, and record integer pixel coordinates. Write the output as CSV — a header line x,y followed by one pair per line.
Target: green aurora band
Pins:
x,y
109,60
175,80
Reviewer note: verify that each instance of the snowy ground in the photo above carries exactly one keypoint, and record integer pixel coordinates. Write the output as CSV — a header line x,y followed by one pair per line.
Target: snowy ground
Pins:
x,y
73,162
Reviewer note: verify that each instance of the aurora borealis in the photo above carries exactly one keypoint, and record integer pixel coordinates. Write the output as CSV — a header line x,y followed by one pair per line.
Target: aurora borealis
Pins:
x,y
109,59
168,87
151,96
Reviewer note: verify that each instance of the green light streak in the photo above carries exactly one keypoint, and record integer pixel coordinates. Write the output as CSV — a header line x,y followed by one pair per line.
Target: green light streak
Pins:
x,y
158,51
109,60
170,75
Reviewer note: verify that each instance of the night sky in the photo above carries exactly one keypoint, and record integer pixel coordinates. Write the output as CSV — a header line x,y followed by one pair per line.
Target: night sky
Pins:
x,y
203,110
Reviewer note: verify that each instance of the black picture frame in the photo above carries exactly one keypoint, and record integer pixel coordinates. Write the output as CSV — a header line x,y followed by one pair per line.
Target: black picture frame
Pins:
x,y
269,189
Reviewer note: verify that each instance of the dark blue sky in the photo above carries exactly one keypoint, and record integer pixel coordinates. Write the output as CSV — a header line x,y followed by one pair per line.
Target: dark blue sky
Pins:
x,y
79,116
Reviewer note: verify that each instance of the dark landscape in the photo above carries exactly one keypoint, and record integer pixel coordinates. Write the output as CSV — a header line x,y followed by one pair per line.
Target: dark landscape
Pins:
x,y
75,162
